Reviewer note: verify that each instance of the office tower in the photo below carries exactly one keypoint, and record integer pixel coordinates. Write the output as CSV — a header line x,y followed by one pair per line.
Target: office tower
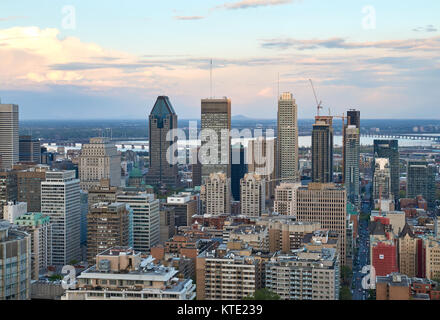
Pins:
x,y
184,208
162,119
327,204
322,149
40,230
382,181
285,199
390,149
84,212
29,149
122,273
99,159
261,155
12,210
104,192
60,200
216,117
225,274
351,164
288,138
393,286
353,119
216,194
432,258
238,169
196,168
253,195
407,246
146,218
167,226
15,255
29,187
9,142
107,227
307,275
8,188
421,181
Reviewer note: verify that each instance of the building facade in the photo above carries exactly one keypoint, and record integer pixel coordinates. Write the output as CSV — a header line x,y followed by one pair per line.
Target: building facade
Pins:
x,y
322,149
9,141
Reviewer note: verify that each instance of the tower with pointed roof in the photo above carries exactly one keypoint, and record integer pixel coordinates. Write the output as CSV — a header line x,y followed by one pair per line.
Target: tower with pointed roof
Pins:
x,y
162,119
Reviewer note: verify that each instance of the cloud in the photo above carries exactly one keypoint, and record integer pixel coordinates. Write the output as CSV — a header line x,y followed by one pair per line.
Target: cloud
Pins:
x,y
11,18
245,4
341,43
428,28
188,18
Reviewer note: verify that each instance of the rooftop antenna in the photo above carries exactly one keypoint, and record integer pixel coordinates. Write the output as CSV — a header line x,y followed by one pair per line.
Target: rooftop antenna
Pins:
x,y
210,77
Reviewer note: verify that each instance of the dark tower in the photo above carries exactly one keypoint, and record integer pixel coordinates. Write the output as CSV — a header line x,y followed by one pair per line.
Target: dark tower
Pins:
x,y
162,119
322,150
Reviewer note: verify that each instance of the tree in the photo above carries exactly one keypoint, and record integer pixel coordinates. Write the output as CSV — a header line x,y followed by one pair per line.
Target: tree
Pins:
x,y
263,294
346,275
345,293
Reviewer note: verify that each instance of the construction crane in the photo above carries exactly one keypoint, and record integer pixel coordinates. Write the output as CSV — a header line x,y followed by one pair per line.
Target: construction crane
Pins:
x,y
318,104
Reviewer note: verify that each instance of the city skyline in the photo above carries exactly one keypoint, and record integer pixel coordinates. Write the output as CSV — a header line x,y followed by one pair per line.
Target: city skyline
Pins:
x,y
142,50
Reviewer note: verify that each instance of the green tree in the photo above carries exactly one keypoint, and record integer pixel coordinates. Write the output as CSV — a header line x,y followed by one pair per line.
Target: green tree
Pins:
x,y
345,293
263,294
346,275
402,194
371,294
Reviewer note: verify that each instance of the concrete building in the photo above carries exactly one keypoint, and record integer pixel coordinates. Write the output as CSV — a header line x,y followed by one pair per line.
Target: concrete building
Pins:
x,y
184,208
167,226
107,227
394,286
432,258
421,181
390,149
238,169
162,119
103,192
353,119
215,118
29,149
146,218
255,236
407,246
13,210
29,186
15,253
60,200
327,204
99,159
8,188
285,199
322,149
305,275
39,228
351,164
216,194
253,195
9,141
121,274
288,138
382,188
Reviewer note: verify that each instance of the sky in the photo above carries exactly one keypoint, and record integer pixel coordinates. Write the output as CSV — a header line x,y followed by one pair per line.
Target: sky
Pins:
x,y
112,58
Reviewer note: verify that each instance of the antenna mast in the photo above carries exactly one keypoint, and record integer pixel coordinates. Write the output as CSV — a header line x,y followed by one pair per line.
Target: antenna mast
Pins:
x,y
210,77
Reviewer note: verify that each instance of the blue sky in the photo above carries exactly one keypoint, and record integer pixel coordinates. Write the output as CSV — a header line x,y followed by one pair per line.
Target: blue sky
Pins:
x,y
122,54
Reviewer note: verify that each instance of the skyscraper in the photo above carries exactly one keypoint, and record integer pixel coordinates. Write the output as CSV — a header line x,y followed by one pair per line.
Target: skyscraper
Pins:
x,y
353,119
216,116
253,195
162,119
238,169
9,142
351,163
421,181
29,149
99,160
382,179
322,149
390,149
288,138
216,194
60,200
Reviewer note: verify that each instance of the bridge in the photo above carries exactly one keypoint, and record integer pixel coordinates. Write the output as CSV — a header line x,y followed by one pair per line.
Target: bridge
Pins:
x,y
403,136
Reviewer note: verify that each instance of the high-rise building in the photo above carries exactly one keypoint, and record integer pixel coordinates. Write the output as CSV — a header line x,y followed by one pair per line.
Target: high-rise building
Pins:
x,y
261,155
215,118
13,210
167,226
9,141
107,227
146,218
238,169
390,149
305,275
99,160
216,194
407,246
15,269
40,230
253,195
382,186
104,192
351,163
322,149
327,204
29,149
60,200
162,149
285,199
184,208
29,187
288,138
421,181
8,188
432,258
196,168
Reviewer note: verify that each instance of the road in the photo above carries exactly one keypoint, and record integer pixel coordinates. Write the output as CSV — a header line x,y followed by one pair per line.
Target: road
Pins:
x,y
362,258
